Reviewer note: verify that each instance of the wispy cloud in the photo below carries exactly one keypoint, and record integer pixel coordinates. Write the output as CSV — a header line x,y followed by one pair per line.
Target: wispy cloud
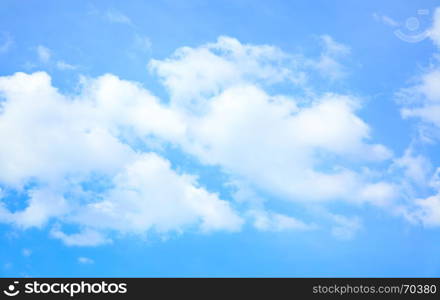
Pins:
x,y
329,63
87,237
115,16
345,228
385,20
26,252
44,54
271,221
85,260
62,65
6,42
45,57
142,43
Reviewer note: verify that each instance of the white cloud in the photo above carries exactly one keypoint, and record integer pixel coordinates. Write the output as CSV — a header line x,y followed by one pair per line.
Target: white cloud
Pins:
x,y
429,86
243,124
435,179
85,260
296,149
426,211
328,64
44,54
380,194
417,168
65,141
42,205
333,48
57,137
329,67
386,20
62,65
423,99
148,194
194,72
271,221
115,16
87,237
26,252
237,124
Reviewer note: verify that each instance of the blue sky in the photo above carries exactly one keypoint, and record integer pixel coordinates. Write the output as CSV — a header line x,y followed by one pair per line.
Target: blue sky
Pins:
x,y
219,138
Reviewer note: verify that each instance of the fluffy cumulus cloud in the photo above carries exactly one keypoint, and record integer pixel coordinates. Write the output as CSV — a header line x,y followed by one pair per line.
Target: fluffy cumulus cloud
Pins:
x,y
194,73
82,160
243,124
237,124
148,193
59,143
